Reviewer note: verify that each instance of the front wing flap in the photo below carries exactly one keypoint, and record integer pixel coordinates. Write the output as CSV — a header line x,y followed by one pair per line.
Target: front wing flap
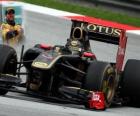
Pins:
x,y
8,79
91,99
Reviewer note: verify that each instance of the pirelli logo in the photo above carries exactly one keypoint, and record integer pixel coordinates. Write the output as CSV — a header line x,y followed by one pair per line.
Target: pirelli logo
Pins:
x,y
105,30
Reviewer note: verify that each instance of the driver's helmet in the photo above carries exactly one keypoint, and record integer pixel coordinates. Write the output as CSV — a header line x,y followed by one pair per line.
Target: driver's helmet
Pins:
x,y
75,46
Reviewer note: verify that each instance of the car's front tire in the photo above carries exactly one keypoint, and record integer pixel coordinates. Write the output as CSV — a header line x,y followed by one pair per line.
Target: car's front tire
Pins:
x,y
101,76
8,62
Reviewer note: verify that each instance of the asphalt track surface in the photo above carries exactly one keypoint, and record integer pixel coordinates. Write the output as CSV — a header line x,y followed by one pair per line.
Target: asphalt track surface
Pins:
x,y
52,30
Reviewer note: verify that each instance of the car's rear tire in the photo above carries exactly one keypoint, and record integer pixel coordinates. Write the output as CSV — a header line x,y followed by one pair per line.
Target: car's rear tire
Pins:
x,y
8,62
131,81
101,76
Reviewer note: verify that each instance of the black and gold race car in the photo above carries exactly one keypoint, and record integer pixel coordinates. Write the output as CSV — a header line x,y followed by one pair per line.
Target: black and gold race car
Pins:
x,y
72,73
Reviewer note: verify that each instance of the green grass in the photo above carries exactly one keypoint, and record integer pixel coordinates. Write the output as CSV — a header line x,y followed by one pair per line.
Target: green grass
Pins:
x,y
94,12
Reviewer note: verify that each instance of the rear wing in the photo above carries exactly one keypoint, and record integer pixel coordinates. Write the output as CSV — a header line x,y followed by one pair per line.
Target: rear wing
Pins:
x,y
98,32
86,31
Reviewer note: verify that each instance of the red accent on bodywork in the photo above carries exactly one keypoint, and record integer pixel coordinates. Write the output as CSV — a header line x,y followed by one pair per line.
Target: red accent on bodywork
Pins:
x,y
97,101
103,22
89,55
121,51
44,46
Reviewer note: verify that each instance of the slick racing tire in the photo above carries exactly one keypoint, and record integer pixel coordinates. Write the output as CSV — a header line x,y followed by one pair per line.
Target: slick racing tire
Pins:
x,y
101,76
8,62
131,82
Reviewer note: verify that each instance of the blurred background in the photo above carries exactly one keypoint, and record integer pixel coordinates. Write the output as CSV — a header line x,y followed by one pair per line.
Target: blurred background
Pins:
x,y
130,7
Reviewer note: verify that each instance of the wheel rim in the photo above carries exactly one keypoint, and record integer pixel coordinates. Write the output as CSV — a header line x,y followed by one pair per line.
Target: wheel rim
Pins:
x,y
108,86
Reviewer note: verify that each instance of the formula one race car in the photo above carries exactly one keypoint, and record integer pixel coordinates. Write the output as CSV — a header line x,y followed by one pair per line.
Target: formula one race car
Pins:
x,y
72,73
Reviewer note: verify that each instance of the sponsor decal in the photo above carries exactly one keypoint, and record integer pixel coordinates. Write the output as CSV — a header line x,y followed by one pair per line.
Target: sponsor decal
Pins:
x,y
121,51
48,56
40,64
103,29
74,43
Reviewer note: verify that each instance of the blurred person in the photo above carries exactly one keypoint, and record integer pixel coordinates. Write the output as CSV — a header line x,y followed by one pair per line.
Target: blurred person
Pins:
x,y
11,32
